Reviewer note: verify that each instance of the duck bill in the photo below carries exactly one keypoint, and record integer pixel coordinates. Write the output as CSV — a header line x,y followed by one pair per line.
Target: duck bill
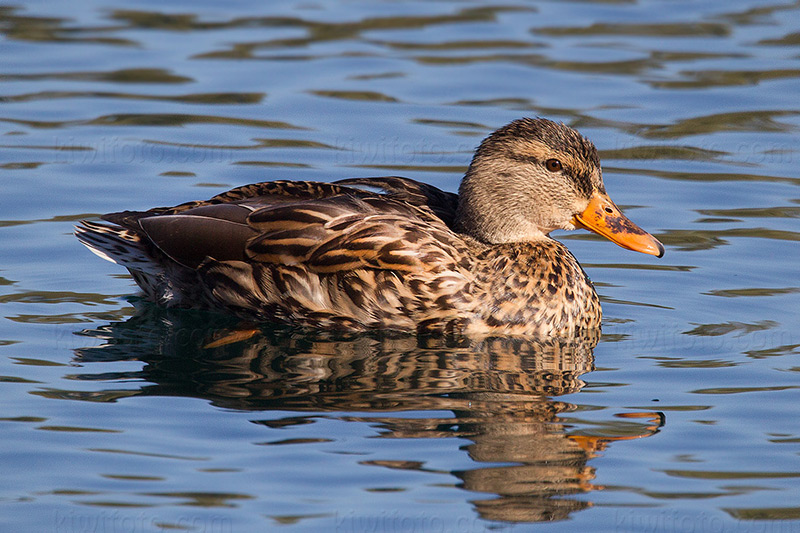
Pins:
x,y
603,217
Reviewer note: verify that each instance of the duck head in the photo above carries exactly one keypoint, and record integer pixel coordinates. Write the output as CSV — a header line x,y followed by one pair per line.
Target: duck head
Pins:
x,y
534,176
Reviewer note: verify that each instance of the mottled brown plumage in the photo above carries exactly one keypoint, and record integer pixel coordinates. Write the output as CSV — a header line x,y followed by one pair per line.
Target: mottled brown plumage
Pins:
x,y
412,257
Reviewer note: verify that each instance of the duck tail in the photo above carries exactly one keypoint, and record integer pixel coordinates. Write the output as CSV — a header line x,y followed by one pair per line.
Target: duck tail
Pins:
x,y
116,244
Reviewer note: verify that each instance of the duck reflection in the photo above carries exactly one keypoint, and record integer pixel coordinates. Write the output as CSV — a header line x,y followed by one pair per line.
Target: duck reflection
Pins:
x,y
499,391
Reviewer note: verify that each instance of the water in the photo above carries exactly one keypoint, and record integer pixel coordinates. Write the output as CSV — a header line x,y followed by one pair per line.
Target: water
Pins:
x,y
683,417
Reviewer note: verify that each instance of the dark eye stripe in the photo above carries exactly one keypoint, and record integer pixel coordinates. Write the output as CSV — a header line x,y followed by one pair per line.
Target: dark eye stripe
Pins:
x,y
582,178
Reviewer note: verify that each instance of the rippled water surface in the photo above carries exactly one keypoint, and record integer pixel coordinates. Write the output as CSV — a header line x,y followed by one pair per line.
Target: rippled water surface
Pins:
x,y
683,417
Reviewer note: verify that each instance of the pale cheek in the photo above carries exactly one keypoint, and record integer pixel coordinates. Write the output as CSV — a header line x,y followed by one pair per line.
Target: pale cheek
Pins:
x,y
553,219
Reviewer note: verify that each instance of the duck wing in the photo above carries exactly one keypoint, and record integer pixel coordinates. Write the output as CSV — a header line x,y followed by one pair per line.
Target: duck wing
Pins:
x,y
319,254
325,226
347,231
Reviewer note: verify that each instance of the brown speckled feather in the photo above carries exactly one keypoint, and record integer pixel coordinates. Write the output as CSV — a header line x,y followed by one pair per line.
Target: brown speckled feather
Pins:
x,y
389,252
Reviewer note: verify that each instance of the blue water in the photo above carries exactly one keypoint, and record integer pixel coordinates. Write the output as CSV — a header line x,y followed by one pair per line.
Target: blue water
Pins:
x,y
118,416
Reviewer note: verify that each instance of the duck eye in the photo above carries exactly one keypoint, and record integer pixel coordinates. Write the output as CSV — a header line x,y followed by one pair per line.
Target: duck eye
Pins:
x,y
553,165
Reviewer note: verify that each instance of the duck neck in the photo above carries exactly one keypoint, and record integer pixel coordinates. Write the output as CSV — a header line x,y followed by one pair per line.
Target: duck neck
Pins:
x,y
491,211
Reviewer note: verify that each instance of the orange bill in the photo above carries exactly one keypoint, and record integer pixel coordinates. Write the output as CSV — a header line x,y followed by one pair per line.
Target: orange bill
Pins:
x,y
604,218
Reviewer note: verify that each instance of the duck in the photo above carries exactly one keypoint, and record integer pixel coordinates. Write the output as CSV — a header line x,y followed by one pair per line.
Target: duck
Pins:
x,y
390,253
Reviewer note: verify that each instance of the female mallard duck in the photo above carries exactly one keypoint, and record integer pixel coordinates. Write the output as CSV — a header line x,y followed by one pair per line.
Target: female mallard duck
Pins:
x,y
339,255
